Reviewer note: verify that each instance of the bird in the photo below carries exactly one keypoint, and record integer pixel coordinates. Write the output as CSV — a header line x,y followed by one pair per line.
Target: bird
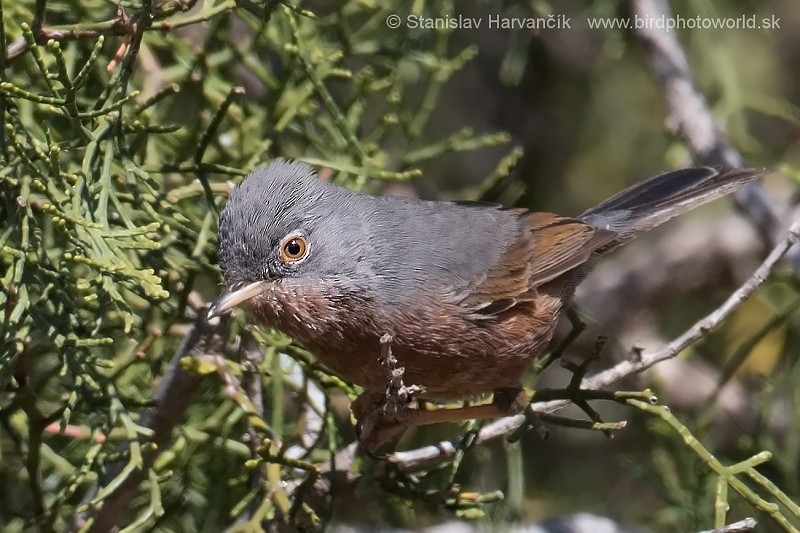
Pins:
x,y
469,293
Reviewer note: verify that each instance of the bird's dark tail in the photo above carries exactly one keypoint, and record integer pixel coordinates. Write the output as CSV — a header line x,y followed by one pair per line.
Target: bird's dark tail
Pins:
x,y
656,200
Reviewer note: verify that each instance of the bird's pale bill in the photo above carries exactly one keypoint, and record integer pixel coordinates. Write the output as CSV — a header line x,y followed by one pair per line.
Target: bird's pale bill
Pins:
x,y
234,298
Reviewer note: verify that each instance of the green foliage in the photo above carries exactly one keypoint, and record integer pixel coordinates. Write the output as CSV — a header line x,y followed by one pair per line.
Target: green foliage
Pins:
x,y
123,127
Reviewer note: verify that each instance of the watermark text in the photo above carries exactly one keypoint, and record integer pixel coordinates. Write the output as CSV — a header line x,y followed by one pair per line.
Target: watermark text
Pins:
x,y
491,22
563,22
678,22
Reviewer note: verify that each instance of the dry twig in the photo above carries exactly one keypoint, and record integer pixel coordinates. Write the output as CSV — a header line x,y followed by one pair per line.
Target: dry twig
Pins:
x,y
742,526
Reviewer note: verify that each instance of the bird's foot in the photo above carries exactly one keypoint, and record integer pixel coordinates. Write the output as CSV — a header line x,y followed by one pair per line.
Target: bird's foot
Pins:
x,y
382,416
377,427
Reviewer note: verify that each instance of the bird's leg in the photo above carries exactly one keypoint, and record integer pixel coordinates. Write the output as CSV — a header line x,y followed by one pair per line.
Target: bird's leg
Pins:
x,y
577,327
379,413
367,409
507,401
384,418
367,401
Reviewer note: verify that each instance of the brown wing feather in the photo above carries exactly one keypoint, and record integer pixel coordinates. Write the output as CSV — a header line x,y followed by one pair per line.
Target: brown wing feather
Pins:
x,y
561,243
547,246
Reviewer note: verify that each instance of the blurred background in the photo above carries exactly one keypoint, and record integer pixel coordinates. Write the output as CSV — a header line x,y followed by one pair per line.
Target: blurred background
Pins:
x,y
549,119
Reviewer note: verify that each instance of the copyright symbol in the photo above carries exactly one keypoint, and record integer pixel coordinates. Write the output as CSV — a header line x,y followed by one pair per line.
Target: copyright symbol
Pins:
x,y
393,21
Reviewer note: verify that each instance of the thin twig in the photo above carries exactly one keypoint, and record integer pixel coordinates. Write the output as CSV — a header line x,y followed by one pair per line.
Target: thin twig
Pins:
x,y
251,356
692,119
118,25
398,394
742,526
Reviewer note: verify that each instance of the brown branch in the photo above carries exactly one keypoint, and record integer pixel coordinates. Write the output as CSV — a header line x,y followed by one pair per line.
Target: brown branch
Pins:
x,y
251,356
119,25
115,26
690,117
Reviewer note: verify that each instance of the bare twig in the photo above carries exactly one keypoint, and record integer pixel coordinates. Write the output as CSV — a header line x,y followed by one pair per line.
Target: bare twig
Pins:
x,y
379,415
705,325
251,357
691,118
118,25
742,526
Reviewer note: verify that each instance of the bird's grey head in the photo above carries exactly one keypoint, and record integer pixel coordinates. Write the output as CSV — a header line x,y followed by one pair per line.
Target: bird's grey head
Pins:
x,y
287,232
283,223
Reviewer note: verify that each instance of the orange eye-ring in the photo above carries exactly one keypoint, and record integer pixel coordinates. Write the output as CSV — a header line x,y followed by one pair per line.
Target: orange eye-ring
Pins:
x,y
294,247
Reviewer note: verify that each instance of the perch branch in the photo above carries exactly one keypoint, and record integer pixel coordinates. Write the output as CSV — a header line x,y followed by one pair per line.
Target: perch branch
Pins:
x,y
691,118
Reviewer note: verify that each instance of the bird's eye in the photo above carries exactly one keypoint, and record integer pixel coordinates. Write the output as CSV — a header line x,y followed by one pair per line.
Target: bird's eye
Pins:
x,y
293,248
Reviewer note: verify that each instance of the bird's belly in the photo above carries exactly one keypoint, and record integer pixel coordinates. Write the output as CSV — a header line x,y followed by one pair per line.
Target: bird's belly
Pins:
x,y
469,360
444,374
449,353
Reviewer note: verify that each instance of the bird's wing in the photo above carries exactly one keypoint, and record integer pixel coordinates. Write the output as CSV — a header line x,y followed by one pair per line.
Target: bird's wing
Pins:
x,y
548,245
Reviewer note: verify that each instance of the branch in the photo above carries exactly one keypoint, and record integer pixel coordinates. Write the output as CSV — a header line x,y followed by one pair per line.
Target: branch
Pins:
x,y
119,25
742,526
690,117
